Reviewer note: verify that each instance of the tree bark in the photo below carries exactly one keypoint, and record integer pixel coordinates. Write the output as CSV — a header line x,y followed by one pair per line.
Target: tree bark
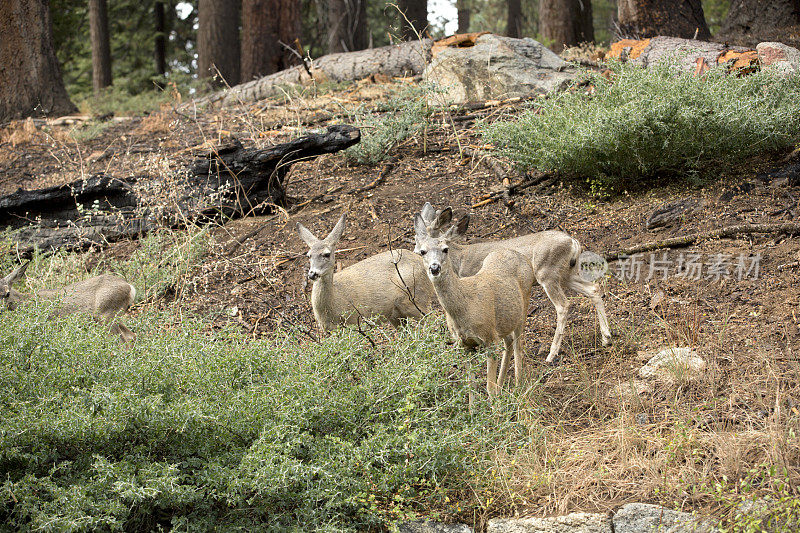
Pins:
x,y
346,25
31,79
464,15
101,47
673,18
514,21
566,22
218,40
415,21
265,25
160,49
752,21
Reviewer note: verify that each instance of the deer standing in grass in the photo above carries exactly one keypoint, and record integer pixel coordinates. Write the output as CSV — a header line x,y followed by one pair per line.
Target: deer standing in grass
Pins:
x,y
486,307
104,297
553,256
390,286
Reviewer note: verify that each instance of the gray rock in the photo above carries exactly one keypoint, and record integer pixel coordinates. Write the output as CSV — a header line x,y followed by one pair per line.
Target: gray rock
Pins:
x,y
670,213
673,365
644,517
779,56
764,515
497,67
571,523
429,526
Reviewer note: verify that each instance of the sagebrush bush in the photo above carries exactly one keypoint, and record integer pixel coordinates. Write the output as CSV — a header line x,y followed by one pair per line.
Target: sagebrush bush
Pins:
x,y
405,114
196,430
653,123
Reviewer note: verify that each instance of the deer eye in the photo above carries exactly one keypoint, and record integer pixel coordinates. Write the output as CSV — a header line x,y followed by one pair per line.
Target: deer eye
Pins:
x,y
444,250
423,252
326,255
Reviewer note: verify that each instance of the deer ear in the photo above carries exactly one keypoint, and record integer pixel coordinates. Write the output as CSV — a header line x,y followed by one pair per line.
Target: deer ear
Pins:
x,y
336,233
16,274
443,218
420,229
428,213
458,229
306,235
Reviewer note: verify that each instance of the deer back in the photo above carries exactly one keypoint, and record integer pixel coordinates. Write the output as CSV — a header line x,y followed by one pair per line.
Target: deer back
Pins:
x,y
104,296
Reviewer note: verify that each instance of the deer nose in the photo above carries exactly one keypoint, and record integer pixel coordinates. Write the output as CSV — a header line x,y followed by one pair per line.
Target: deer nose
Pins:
x,y
313,274
435,268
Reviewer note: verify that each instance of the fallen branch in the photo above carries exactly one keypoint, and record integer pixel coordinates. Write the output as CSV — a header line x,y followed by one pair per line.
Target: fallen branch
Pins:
x,y
686,240
513,189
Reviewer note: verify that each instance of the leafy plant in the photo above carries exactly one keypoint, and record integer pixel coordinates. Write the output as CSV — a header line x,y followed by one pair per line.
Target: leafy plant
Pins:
x,y
641,124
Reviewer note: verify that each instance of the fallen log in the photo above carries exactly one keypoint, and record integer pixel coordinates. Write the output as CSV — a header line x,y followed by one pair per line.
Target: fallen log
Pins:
x,y
403,59
228,182
687,240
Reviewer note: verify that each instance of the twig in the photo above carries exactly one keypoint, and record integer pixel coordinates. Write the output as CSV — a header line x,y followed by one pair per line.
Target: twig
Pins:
x,y
787,266
514,189
686,240
362,332
396,263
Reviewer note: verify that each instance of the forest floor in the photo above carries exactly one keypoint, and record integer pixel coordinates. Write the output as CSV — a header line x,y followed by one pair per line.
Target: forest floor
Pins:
x,y
740,414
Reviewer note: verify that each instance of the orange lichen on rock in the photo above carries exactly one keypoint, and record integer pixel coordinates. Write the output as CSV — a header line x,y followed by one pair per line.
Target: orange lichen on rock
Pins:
x,y
459,40
739,60
635,48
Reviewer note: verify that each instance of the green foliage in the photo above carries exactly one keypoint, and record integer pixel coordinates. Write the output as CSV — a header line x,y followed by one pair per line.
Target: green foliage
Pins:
x,y
653,123
405,114
191,429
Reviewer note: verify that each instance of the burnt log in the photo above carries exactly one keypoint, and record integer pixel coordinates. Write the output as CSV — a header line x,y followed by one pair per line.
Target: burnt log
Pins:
x,y
229,182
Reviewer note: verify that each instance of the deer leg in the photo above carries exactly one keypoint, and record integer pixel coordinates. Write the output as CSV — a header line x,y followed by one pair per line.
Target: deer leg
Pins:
x,y
518,354
556,294
507,351
491,374
122,330
589,290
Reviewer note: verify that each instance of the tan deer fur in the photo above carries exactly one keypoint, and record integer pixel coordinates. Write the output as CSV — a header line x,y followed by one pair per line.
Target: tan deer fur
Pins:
x,y
104,297
390,286
554,259
486,307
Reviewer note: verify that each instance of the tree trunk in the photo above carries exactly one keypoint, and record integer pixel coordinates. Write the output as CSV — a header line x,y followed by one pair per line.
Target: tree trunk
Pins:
x,y
514,22
566,22
101,47
265,25
752,21
31,79
218,40
464,14
673,18
346,25
415,20
160,50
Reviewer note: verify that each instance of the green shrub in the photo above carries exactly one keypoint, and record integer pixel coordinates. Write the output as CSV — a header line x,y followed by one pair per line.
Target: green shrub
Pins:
x,y
653,123
195,430
405,114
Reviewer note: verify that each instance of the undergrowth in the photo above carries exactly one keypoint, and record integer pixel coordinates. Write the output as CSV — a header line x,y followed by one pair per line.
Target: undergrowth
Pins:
x,y
642,124
193,429
404,115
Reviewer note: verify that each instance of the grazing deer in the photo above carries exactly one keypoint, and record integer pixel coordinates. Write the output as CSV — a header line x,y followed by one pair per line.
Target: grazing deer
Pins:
x,y
483,308
389,286
553,256
104,297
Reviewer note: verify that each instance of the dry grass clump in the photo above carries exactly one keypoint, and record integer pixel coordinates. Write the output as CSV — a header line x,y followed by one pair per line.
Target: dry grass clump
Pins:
x,y
708,444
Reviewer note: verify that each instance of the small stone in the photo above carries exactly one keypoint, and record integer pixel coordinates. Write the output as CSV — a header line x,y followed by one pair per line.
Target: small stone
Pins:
x,y
673,365
630,390
780,57
644,517
642,419
429,526
571,523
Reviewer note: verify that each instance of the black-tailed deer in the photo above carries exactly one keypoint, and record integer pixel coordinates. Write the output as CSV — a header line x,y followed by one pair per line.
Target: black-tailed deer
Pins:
x,y
554,259
104,297
390,286
483,308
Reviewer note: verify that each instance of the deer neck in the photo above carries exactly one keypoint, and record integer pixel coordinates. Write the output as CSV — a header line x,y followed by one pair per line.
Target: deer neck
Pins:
x,y
450,291
323,295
